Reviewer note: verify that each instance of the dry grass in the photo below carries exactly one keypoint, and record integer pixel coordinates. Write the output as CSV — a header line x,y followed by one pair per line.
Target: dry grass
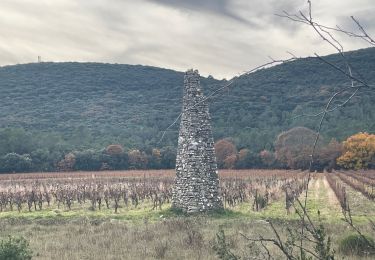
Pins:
x,y
179,238
175,238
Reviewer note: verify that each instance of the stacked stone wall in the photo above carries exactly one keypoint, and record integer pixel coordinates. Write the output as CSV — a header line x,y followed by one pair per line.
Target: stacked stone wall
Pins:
x,y
197,184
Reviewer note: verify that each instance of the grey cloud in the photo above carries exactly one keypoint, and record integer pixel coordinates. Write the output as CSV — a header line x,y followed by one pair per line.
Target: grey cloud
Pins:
x,y
364,17
222,38
219,7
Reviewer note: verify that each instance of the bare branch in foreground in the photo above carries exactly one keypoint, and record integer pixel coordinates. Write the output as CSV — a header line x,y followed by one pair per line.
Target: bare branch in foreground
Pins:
x,y
213,94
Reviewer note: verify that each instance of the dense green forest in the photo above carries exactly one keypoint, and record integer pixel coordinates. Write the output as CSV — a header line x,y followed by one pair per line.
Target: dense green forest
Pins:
x,y
51,109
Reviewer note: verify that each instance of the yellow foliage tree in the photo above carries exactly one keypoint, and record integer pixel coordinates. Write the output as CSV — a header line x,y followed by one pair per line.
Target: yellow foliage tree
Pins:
x,y
359,152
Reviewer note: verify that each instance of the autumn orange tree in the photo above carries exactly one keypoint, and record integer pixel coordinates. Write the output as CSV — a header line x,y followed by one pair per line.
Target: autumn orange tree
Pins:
x,y
293,147
226,153
359,152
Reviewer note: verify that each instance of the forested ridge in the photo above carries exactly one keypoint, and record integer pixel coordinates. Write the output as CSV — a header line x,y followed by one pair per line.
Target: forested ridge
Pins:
x,y
78,106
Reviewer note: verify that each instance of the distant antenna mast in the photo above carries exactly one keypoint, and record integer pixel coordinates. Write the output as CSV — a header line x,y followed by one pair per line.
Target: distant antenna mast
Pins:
x,y
39,59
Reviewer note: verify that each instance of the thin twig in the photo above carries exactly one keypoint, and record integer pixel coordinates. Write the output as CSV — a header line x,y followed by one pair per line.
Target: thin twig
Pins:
x,y
227,86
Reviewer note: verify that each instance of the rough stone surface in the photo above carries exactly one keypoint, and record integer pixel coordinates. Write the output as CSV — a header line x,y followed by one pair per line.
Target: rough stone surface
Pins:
x,y
197,183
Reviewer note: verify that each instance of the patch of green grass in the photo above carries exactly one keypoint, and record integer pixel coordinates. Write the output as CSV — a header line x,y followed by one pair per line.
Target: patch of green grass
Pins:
x,y
130,213
318,205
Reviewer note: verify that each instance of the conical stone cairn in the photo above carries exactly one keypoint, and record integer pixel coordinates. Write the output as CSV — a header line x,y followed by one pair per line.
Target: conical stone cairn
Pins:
x,y
197,184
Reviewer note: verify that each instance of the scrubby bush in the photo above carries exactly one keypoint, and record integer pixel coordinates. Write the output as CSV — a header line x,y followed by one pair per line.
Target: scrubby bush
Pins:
x,y
15,248
355,244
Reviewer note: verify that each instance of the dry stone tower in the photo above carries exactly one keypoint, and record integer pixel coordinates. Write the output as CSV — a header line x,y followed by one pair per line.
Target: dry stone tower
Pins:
x,y
197,184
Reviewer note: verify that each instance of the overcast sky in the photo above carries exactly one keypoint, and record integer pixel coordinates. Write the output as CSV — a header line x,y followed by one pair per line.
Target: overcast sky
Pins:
x,y
219,37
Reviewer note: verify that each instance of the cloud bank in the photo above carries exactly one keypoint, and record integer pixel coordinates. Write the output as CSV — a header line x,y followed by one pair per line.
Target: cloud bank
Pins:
x,y
221,38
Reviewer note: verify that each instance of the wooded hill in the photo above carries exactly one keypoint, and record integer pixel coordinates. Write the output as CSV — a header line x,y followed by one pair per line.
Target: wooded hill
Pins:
x,y
92,105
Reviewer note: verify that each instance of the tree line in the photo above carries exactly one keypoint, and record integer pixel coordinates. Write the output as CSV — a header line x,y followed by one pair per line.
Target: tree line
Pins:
x,y
21,151
293,149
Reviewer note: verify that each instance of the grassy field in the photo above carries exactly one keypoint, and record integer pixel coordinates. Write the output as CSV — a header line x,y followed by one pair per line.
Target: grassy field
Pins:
x,y
143,233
